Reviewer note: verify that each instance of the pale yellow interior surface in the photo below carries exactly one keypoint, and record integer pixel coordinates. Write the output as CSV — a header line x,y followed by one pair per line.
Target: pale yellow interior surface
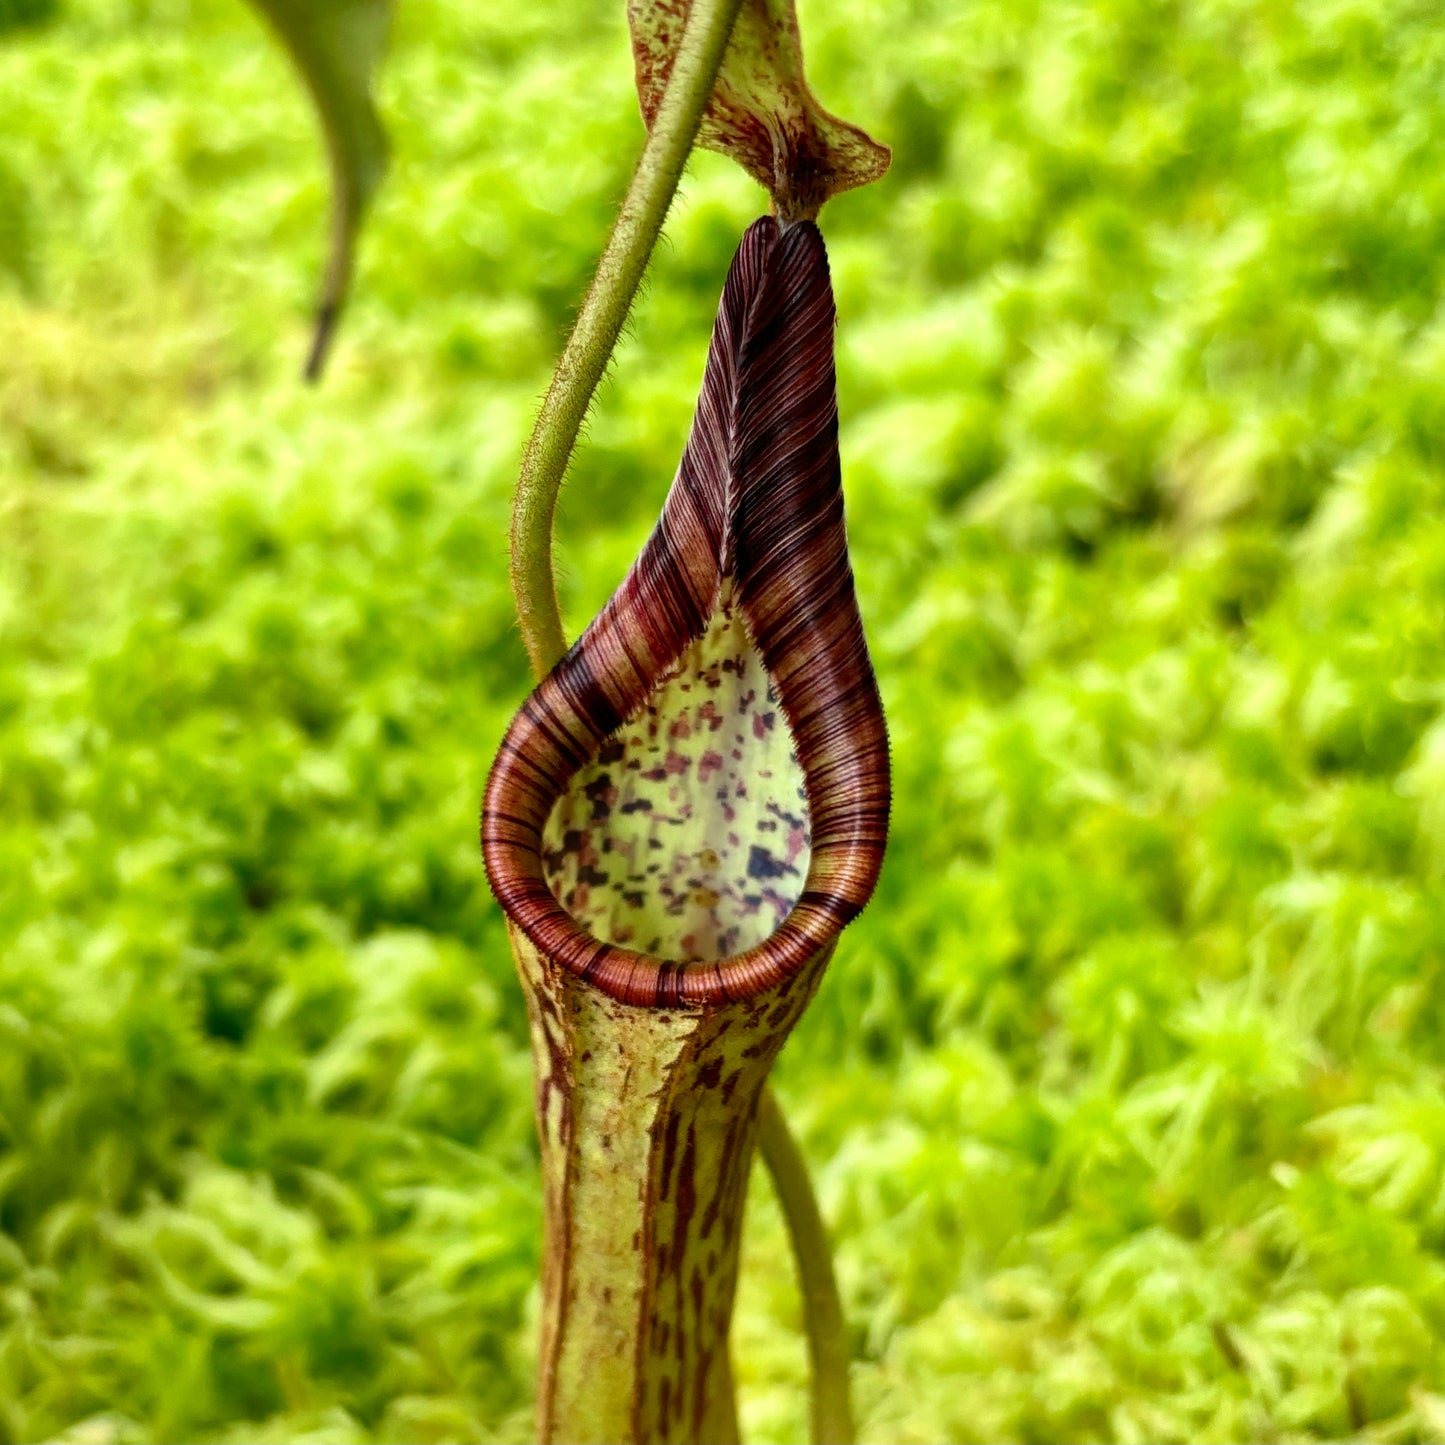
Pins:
x,y
688,837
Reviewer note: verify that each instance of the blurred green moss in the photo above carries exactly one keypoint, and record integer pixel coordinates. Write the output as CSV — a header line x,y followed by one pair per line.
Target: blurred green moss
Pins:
x,y
1124,1093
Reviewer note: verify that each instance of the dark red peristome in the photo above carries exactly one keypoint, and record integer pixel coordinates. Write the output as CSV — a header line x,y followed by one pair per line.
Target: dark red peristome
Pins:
x,y
758,498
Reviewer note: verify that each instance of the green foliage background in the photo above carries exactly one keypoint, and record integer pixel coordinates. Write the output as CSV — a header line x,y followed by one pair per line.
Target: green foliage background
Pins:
x,y
1125,1096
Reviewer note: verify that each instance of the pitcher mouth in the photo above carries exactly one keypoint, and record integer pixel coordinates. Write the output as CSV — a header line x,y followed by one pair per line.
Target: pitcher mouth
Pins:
x,y
688,837
747,569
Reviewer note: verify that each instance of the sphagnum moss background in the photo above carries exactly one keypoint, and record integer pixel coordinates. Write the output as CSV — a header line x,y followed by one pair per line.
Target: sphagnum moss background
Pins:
x,y
1125,1096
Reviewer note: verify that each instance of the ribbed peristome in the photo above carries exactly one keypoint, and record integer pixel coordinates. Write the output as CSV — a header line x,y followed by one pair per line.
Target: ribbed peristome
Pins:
x,y
694,802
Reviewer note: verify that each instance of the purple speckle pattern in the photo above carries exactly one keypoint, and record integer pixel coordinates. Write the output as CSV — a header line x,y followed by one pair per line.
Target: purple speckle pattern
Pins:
x,y
688,838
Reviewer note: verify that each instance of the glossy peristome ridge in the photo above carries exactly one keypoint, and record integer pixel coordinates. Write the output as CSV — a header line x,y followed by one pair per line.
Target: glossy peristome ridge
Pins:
x,y
756,512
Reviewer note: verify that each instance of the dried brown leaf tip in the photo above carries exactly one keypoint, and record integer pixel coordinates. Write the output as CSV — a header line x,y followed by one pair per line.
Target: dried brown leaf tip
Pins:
x,y
762,112
694,802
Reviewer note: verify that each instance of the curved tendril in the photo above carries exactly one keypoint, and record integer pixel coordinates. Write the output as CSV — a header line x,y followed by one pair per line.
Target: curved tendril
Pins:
x,y
832,1409
599,324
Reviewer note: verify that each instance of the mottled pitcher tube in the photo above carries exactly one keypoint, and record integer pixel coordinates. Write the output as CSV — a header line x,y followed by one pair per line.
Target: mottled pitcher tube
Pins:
x,y
681,819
